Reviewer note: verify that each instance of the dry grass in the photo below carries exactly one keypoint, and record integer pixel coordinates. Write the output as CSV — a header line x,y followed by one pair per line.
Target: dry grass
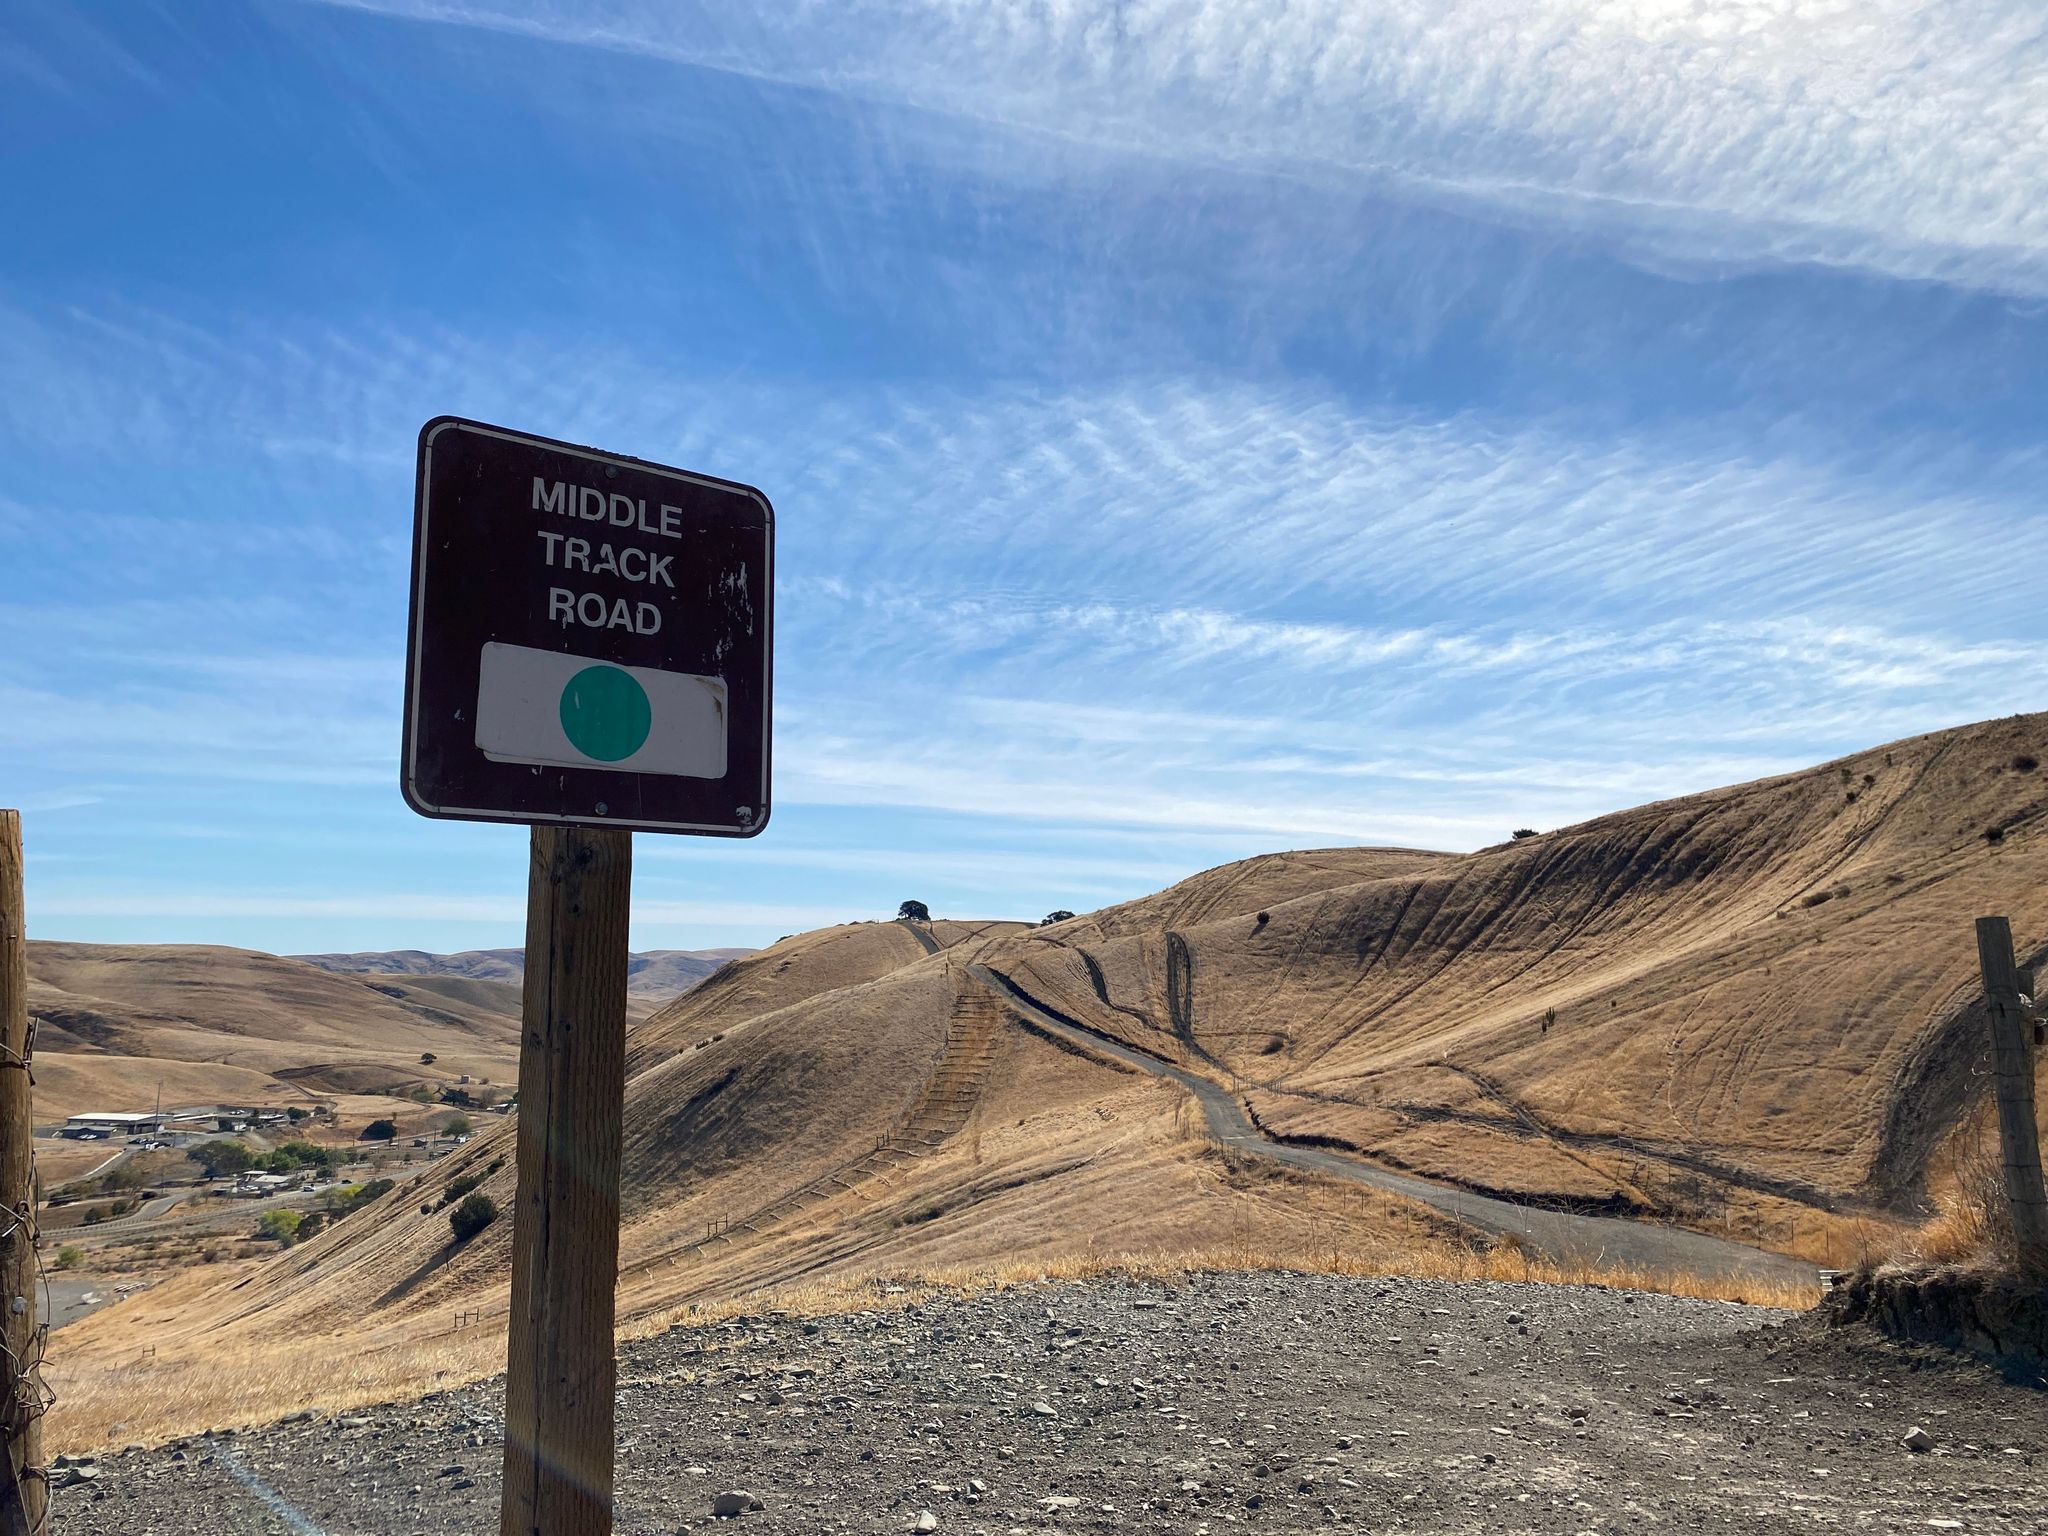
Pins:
x,y
1972,1226
157,1380
150,1399
1438,1260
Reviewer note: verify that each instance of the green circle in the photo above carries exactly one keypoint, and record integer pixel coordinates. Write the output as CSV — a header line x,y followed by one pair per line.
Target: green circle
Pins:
x,y
605,713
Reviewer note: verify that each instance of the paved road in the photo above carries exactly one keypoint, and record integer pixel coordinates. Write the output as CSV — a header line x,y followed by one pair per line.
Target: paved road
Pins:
x,y
148,1210
68,1299
1560,1235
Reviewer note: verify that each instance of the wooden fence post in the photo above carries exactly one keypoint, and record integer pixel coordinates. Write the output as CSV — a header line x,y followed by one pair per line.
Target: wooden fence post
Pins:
x,y
562,1373
25,1492
2012,1063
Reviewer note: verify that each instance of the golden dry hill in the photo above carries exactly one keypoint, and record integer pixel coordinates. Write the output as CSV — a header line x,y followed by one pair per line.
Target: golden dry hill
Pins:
x,y
1750,1011
233,1025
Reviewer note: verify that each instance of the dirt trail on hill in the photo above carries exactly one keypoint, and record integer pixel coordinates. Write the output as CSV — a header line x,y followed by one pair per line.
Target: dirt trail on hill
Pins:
x,y
1559,1235
918,932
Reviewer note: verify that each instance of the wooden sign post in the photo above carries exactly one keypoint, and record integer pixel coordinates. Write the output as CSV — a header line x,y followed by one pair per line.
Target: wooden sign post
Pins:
x,y
589,654
562,1370
24,1485
2012,1065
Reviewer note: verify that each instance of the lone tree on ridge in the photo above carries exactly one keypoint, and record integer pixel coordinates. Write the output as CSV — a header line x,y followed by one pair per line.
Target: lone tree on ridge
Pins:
x,y
913,912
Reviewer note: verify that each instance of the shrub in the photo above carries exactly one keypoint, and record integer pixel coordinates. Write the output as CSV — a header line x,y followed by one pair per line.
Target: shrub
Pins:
x,y
458,1125
294,1155
1057,915
380,1130
346,1202
1994,834
426,1058
472,1216
2026,762
70,1256
1973,1224
281,1226
460,1187
1522,832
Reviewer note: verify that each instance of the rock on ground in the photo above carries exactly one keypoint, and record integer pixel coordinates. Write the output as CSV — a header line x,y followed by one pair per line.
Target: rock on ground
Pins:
x,y
1283,1403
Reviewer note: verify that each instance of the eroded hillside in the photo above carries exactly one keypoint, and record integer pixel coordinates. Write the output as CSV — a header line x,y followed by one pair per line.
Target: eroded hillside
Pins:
x,y
1771,988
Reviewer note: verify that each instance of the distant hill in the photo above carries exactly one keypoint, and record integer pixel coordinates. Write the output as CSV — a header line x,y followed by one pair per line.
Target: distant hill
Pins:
x,y
115,1021
652,977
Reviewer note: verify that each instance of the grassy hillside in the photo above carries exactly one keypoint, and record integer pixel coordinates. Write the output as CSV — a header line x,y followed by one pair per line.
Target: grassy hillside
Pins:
x,y
1770,987
1761,1015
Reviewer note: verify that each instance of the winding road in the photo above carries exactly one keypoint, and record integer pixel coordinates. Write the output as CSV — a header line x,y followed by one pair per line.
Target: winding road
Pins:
x,y
1607,1241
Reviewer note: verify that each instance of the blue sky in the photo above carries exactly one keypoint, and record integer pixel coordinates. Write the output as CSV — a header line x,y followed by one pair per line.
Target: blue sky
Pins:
x,y
1195,429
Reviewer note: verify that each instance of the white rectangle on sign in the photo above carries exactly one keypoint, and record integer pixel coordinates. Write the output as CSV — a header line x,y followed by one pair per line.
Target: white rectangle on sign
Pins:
x,y
538,706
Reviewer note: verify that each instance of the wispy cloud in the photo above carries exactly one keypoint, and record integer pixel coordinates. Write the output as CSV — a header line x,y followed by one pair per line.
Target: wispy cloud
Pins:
x,y
1907,138
1241,608
1196,427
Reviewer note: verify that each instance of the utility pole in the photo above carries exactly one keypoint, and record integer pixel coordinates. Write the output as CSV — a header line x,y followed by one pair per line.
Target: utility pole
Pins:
x,y
2012,1065
561,1362
25,1492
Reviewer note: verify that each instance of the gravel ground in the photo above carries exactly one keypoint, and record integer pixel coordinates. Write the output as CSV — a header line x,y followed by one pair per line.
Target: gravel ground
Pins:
x,y
1284,1403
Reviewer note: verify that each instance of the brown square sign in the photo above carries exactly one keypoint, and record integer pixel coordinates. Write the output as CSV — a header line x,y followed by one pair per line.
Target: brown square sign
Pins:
x,y
591,638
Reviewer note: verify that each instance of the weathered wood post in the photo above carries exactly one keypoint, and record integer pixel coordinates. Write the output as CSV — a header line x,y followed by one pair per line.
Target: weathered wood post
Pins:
x,y
562,1371
24,1493
2012,1065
